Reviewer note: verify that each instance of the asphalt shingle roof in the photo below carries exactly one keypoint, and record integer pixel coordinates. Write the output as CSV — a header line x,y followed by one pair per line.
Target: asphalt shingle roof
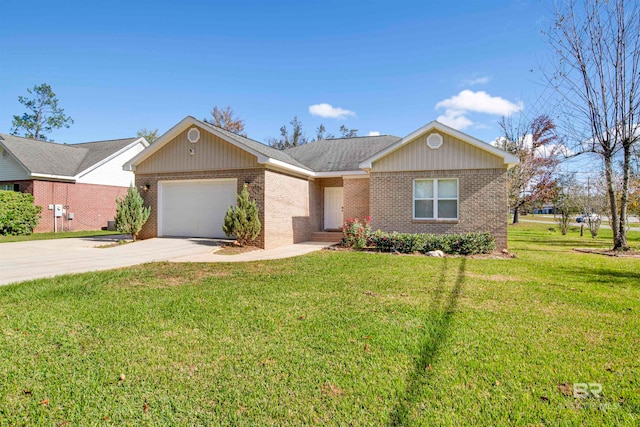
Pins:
x,y
341,154
51,158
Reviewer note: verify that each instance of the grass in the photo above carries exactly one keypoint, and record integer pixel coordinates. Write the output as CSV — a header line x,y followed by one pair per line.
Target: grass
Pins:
x,y
60,235
331,338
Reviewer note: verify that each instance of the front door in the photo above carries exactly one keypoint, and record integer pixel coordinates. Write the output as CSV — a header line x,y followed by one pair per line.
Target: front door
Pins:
x,y
332,208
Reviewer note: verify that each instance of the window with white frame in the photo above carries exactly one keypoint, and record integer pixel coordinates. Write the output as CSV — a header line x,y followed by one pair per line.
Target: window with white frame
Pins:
x,y
435,198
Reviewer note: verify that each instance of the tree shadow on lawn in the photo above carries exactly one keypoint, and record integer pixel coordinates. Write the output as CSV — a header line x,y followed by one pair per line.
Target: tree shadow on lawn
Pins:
x,y
436,332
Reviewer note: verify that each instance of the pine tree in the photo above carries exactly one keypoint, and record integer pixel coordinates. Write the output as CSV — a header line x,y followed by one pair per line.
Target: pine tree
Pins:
x,y
131,214
242,222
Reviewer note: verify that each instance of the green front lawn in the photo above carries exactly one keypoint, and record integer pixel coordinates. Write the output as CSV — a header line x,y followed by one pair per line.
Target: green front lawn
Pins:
x,y
60,235
331,338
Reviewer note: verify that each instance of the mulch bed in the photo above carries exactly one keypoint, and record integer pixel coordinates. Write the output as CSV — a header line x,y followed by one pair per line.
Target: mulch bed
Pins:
x,y
632,253
232,249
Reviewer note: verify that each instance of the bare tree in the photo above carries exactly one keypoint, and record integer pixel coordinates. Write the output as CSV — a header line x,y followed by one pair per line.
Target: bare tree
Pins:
x,y
321,133
225,118
596,52
536,145
288,140
348,133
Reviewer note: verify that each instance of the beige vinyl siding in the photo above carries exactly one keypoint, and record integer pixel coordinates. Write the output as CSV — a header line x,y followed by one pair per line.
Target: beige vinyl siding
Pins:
x,y
454,154
211,153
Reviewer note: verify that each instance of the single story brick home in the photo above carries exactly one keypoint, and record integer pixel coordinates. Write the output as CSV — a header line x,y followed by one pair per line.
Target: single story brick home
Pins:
x,y
434,180
83,180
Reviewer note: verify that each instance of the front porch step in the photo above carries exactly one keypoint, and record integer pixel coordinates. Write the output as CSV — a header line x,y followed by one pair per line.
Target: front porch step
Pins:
x,y
326,236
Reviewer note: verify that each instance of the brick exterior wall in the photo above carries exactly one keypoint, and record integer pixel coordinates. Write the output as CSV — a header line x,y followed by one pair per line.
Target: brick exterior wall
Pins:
x,y
288,217
255,177
482,203
356,198
92,205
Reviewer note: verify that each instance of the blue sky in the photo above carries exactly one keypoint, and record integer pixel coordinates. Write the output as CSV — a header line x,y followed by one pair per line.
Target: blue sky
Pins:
x,y
387,67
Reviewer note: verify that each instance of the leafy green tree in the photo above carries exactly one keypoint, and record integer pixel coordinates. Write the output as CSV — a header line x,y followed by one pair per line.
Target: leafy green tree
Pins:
x,y
43,115
18,214
242,222
225,118
148,134
131,214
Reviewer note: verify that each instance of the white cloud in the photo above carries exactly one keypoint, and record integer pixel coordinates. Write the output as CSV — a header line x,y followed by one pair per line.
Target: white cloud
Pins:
x,y
456,119
374,133
483,80
329,111
457,108
480,102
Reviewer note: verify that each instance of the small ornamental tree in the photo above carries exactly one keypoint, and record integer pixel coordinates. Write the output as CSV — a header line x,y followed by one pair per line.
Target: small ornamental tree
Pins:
x,y
242,222
131,214
18,215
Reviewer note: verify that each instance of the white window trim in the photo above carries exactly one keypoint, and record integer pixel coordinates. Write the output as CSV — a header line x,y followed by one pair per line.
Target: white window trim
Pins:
x,y
435,199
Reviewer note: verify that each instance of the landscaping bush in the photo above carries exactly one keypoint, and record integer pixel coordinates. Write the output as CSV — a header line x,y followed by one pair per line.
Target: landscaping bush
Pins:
x,y
454,244
131,214
356,233
18,214
242,222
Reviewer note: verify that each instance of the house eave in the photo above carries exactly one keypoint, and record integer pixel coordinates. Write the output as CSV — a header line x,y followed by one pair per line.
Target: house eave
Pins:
x,y
51,177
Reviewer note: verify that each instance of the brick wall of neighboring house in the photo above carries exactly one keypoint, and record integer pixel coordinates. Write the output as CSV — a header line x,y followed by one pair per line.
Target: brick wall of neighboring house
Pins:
x,y
25,186
321,184
482,203
356,198
255,178
288,214
92,205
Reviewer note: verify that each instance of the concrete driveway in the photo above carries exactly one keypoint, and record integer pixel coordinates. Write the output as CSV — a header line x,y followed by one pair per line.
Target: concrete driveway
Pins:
x,y
46,258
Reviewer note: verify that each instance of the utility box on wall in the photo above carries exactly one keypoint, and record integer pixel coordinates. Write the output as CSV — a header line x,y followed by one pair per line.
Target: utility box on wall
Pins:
x,y
57,211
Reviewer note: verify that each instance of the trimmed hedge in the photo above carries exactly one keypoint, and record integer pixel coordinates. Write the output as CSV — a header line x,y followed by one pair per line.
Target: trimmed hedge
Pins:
x,y
454,244
18,215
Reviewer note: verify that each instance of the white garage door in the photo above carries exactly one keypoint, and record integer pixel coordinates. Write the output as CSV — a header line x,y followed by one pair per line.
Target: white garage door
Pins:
x,y
194,208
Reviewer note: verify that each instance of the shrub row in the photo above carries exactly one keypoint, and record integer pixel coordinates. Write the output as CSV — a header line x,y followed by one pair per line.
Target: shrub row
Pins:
x,y
18,215
454,244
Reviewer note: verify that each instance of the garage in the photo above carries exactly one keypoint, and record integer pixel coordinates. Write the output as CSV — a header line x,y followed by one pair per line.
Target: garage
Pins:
x,y
194,208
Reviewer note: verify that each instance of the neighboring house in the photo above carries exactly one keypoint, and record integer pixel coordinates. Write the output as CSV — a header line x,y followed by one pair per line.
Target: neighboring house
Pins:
x,y
84,178
435,180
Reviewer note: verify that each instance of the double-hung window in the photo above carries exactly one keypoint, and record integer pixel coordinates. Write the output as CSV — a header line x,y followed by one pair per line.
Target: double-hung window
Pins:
x,y
435,198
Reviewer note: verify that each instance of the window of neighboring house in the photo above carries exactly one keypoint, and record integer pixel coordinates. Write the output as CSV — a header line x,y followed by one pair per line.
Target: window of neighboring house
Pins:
x,y
10,187
435,198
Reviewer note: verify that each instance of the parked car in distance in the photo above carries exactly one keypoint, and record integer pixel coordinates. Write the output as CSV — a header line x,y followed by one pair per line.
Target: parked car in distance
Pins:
x,y
585,217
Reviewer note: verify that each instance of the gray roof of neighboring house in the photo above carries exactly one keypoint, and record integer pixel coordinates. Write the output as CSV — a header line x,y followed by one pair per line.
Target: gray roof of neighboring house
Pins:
x,y
341,154
50,158
258,146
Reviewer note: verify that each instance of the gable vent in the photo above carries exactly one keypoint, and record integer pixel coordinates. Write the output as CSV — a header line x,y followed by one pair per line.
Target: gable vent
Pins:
x,y
193,135
434,141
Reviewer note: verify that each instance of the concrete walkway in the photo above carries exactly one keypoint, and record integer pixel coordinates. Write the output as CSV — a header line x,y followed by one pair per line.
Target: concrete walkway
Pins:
x,y
21,261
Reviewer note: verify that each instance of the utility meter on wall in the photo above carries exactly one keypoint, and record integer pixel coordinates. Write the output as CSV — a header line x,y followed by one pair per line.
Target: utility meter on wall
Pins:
x,y
57,210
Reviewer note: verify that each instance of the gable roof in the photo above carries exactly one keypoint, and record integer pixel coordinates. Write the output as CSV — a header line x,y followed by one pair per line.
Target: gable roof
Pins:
x,y
264,153
62,161
340,154
509,159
